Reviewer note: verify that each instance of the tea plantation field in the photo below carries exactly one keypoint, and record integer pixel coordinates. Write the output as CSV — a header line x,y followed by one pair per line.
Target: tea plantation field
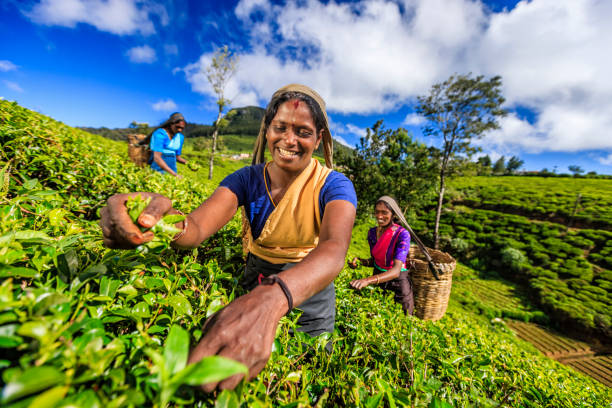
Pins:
x,y
86,326
523,229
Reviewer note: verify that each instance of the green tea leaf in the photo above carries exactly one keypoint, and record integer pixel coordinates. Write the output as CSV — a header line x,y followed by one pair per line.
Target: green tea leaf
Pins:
x,y
176,350
18,272
32,380
209,369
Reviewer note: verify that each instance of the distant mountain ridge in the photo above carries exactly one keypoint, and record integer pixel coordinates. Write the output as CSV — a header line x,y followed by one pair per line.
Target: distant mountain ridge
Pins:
x,y
244,121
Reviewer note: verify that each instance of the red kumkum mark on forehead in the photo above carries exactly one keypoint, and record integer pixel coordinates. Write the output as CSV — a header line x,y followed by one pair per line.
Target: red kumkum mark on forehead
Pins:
x,y
296,103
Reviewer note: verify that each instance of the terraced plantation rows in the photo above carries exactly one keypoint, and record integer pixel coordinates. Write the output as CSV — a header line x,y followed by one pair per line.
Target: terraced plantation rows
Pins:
x,y
494,298
566,200
598,367
566,272
578,355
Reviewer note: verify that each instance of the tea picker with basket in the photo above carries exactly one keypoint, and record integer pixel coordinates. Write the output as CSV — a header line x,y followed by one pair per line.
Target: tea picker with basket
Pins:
x,y
162,148
420,278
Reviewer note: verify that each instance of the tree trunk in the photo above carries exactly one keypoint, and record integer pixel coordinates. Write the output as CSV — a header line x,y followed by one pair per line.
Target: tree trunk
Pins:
x,y
213,146
439,209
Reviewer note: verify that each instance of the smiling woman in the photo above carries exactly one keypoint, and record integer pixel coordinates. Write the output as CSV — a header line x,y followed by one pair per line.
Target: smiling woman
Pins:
x,y
298,217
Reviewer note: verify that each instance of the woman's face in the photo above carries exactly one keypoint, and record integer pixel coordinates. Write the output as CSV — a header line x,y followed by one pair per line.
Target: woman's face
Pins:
x,y
383,215
177,127
292,136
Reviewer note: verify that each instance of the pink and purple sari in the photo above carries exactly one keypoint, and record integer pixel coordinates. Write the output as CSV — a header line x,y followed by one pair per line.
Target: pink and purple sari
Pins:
x,y
394,243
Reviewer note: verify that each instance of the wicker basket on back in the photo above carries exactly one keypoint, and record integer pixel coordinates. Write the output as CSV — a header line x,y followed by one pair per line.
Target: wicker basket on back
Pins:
x,y
138,149
430,294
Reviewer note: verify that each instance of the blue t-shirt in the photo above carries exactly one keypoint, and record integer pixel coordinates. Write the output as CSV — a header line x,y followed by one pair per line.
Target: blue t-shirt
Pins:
x,y
169,148
248,185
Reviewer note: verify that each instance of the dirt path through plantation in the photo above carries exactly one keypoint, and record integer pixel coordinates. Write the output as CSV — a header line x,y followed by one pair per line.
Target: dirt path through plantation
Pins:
x,y
576,354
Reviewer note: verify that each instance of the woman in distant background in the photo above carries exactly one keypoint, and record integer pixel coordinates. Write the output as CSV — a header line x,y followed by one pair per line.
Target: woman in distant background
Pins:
x,y
389,246
167,145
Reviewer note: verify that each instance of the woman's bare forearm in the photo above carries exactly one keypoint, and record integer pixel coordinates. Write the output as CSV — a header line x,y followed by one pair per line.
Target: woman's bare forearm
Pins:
x,y
391,274
157,158
319,268
208,218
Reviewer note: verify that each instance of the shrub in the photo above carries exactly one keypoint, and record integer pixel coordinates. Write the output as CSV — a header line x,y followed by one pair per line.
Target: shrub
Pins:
x,y
513,258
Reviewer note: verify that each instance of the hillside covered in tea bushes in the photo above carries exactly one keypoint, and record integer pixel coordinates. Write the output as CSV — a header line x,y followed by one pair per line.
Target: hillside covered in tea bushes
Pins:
x,y
552,236
85,326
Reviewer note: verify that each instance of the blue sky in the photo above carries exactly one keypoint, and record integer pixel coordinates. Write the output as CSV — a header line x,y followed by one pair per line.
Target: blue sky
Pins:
x,y
110,62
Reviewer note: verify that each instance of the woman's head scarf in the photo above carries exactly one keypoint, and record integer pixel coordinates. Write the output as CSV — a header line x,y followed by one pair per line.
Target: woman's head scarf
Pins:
x,y
174,118
392,204
260,144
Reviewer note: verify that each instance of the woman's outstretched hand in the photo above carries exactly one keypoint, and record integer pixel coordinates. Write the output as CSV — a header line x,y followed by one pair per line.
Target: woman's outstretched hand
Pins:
x,y
244,331
361,283
117,227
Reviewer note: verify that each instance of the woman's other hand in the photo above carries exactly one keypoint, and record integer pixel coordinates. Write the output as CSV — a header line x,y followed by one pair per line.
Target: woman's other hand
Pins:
x,y
362,283
117,227
244,331
353,263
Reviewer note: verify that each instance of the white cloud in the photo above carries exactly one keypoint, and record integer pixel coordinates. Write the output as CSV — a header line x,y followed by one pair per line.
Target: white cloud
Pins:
x,y
6,65
14,86
167,105
341,140
413,119
114,16
376,55
143,54
606,160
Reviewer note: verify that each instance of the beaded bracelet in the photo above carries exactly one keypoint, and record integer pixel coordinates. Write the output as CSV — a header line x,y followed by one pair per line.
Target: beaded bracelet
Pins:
x,y
180,234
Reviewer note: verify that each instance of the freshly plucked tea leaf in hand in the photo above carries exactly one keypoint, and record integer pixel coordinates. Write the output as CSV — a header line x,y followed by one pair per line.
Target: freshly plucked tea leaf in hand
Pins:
x,y
164,229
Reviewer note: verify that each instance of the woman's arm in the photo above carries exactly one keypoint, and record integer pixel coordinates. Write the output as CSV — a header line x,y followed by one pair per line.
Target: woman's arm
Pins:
x,y
208,218
157,158
244,330
363,261
391,274
120,232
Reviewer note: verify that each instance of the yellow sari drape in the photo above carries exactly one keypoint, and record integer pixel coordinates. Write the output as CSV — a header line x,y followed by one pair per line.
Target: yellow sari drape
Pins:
x,y
292,229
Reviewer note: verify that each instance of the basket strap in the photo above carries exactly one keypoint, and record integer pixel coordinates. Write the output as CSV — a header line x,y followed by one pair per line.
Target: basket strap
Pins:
x,y
434,269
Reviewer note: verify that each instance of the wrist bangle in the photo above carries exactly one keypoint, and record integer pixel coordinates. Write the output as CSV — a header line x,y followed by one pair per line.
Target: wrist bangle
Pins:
x,y
377,279
180,234
271,280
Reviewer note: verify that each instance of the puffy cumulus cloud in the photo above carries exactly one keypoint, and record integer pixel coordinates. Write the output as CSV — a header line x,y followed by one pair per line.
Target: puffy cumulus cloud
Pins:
x,y
551,55
413,119
372,56
167,105
142,55
607,160
6,65
113,16
13,86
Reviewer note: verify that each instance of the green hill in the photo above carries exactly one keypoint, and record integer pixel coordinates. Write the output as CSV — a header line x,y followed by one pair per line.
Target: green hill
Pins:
x,y
535,232
83,325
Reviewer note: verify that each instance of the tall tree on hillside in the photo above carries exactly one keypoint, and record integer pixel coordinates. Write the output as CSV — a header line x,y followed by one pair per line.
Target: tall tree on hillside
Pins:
x,y
458,110
499,167
514,164
391,162
218,73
